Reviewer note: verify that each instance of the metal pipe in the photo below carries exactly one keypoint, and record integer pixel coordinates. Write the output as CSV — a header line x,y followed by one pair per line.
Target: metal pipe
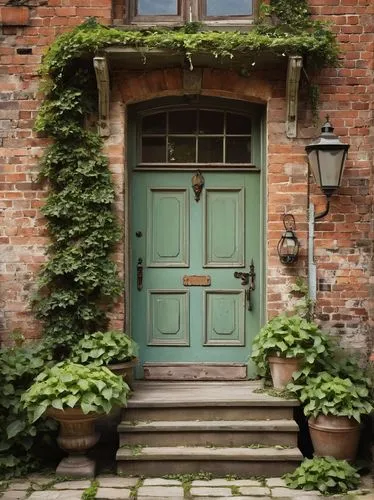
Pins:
x,y
312,268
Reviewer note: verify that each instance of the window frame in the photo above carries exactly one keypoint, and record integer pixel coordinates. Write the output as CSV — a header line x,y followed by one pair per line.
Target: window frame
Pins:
x,y
133,18
169,165
189,10
204,18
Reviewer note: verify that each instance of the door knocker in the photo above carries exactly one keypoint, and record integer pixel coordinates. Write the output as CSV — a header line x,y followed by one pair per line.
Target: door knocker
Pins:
x,y
198,184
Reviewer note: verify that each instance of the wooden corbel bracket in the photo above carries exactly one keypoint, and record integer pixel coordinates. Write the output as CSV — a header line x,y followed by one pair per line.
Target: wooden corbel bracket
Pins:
x,y
102,79
295,63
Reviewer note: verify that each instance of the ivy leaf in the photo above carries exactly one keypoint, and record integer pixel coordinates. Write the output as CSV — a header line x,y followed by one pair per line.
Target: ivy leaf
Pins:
x,y
15,428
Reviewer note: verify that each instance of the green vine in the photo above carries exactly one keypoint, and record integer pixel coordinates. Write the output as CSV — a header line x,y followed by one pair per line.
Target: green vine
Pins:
x,y
79,282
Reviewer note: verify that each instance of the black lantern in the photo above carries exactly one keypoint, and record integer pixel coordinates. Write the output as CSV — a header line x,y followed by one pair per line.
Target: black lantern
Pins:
x,y
326,157
288,245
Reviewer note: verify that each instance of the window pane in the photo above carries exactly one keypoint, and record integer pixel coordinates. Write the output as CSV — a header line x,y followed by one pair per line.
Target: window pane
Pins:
x,y
182,122
238,150
210,150
157,7
231,8
154,149
211,122
238,124
182,149
154,124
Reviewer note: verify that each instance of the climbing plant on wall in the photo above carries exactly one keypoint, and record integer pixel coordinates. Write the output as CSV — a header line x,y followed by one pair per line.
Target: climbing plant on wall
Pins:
x,y
79,281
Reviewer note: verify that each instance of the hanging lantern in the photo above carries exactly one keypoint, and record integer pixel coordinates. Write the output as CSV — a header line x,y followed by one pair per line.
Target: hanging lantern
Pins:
x,y
288,245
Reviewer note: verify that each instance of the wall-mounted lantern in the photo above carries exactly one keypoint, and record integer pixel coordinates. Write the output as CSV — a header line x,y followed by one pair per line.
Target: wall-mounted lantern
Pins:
x,y
288,245
326,156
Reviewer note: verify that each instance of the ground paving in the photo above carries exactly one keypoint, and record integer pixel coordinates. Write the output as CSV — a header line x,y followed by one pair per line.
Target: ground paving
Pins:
x,y
110,487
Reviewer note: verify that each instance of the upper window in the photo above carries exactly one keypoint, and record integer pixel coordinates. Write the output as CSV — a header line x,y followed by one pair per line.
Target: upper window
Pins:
x,y
174,11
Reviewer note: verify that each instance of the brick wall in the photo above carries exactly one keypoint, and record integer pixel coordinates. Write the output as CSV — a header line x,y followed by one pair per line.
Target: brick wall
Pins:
x,y
343,239
22,229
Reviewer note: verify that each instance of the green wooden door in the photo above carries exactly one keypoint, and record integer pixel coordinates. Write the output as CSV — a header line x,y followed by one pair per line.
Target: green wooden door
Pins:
x,y
186,303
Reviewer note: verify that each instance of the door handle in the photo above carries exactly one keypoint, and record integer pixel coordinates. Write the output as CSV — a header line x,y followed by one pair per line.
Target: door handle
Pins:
x,y
139,274
248,279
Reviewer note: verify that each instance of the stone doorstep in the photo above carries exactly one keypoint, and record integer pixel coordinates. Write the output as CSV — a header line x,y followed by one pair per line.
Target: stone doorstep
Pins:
x,y
209,425
206,453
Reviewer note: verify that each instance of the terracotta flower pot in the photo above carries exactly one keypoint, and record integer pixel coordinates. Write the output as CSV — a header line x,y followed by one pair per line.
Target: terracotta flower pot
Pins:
x,y
282,369
334,436
76,435
125,370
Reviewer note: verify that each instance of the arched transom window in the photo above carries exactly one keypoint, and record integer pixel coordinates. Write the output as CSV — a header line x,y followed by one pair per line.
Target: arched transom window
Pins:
x,y
195,136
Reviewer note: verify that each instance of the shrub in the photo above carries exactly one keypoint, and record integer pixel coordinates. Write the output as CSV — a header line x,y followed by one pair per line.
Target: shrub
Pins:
x,y
288,336
326,474
70,385
329,395
104,348
19,367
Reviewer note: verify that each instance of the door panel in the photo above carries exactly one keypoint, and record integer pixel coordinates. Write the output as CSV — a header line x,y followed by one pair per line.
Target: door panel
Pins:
x,y
224,312
176,236
168,317
167,227
224,227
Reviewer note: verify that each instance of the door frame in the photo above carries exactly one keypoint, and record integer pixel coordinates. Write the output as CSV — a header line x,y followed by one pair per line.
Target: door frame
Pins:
x,y
133,112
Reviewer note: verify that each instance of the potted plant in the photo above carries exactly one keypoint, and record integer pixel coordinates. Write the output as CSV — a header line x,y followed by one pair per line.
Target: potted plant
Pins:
x,y
114,349
284,344
75,396
334,406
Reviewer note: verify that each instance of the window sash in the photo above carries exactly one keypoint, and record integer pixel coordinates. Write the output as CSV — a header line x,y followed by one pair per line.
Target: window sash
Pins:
x,y
188,10
134,17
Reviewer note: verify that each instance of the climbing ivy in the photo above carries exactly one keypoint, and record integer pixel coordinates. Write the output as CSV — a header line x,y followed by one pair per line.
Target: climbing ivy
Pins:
x,y
79,282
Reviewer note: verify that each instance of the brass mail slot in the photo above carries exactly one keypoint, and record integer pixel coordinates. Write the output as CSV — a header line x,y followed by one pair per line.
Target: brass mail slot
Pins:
x,y
195,280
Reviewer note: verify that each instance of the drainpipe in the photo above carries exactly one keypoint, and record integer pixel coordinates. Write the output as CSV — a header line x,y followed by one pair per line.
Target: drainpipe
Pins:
x,y
312,268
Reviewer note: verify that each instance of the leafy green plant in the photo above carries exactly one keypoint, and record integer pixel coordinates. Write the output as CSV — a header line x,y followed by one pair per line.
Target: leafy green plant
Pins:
x,y
103,348
71,385
304,306
288,336
326,474
327,394
19,367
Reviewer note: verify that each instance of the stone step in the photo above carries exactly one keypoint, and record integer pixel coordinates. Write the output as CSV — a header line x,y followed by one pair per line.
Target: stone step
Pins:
x,y
205,401
212,432
246,462
208,413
